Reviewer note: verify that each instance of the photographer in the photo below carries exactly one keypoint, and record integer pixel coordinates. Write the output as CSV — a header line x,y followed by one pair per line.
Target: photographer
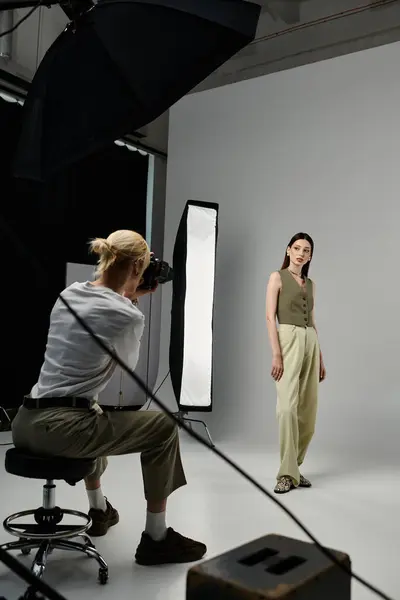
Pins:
x,y
61,417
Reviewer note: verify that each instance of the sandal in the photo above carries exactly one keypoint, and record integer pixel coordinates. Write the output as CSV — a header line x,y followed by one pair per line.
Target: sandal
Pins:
x,y
304,483
284,485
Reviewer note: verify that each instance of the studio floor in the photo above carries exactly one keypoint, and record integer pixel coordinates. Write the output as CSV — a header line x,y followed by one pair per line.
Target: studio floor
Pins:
x,y
352,507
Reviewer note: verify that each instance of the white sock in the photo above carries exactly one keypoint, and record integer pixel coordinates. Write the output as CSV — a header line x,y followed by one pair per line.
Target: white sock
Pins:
x,y
156,526
96,499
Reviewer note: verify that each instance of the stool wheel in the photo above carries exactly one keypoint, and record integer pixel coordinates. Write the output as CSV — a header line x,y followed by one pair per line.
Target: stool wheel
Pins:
x,y
30,594
103,576
25,551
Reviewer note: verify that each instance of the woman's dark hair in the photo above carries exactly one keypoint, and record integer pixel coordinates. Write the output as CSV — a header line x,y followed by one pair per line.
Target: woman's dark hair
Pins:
x,y
296,238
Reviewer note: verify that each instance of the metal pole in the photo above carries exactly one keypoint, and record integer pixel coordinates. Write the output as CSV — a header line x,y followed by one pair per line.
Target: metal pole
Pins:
x,y
6,23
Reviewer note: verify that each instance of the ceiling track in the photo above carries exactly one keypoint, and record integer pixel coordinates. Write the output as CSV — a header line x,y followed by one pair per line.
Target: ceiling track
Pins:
x,y
322,20
321,48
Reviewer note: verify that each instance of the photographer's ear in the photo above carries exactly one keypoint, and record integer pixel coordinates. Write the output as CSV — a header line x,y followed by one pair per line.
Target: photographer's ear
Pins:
x,y
136,268
139,267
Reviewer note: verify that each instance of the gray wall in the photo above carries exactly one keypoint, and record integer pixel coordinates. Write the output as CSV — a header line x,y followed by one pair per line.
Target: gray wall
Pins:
x,y
316,149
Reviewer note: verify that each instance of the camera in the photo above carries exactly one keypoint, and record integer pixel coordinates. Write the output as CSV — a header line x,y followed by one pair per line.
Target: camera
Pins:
x,y
157,272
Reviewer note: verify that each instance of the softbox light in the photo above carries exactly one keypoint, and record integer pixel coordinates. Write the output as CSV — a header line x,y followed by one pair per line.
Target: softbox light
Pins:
x,y
191,341
118,67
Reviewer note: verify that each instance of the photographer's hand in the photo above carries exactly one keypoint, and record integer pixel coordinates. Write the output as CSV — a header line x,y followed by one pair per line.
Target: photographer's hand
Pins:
x,y
139,292
134,294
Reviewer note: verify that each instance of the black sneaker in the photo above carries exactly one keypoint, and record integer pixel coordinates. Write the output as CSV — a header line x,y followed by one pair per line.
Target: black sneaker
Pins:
x,y
102,521
174,548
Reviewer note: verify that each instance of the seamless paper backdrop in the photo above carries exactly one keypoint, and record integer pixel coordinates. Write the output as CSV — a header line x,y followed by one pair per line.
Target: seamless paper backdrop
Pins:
x,y
315,149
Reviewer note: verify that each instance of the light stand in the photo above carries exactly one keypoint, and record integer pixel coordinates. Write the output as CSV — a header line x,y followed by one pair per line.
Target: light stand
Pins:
x,y
191,339
182,416
5,421
4,413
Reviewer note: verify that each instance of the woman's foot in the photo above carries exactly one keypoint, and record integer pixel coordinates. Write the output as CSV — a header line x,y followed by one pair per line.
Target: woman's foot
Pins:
x,y
284,485
304,483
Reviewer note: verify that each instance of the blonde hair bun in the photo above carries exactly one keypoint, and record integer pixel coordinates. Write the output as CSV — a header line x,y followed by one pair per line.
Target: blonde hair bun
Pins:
x,y
99,246
121,245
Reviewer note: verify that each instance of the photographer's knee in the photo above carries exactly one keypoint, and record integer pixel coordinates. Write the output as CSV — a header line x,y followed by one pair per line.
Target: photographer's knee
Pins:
x,y
168,426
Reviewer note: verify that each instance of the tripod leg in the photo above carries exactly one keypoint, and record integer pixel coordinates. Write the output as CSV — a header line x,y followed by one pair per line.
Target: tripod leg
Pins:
x,y
187,421
5,413
209,435
205,427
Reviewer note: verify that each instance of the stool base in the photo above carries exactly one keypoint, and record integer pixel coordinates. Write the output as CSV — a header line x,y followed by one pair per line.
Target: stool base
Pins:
x,y
45,548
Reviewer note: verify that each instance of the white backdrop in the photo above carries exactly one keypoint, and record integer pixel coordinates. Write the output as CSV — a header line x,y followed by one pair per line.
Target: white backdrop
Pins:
x,y
315,149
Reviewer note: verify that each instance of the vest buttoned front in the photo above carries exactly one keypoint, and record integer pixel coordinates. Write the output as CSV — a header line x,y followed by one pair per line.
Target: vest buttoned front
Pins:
x,y
295,302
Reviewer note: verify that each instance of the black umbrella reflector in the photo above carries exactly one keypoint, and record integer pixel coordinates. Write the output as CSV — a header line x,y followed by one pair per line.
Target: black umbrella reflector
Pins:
x,y
191,342
120,66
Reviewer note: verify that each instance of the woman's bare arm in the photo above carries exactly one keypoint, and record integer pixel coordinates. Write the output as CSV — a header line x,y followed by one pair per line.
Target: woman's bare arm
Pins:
x,y
322,368
273,289
313,310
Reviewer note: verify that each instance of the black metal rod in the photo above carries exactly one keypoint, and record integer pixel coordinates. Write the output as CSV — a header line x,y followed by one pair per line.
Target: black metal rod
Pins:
x,y
13,4
19,569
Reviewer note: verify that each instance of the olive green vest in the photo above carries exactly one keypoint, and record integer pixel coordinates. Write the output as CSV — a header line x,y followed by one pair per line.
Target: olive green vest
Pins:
x,y
295,303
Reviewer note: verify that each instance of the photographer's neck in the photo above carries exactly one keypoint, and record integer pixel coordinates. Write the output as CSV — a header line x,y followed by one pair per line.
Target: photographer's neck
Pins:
x,y
102,282
115,279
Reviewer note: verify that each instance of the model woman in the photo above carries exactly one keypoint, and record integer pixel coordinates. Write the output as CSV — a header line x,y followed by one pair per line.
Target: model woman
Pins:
x,y
297,365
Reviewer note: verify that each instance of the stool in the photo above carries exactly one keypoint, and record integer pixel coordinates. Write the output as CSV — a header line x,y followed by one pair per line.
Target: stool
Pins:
x,y
48,532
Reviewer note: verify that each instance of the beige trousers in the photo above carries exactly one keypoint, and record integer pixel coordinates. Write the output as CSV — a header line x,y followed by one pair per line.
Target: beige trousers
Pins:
x,y
297,396
82,433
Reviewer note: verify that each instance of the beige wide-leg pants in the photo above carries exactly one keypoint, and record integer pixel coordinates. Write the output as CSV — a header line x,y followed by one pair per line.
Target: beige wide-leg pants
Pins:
x,y
297,396
82,433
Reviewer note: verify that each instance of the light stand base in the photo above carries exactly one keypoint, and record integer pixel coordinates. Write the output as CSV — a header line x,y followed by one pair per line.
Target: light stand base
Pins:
x,y
4,413
182,416
5,421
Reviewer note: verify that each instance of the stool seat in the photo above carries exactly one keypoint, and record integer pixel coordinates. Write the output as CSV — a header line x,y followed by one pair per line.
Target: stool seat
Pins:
x,y
22,463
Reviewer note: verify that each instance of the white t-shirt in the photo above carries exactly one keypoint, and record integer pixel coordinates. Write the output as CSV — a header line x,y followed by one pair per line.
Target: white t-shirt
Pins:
x,y
74,364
